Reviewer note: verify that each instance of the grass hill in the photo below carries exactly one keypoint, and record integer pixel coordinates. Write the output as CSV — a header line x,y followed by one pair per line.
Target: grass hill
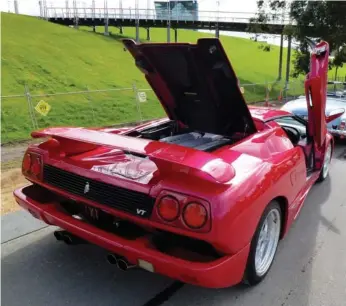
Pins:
x,y
49,58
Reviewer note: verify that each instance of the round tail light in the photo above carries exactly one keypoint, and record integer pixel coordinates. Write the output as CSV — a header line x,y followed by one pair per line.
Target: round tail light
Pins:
x,y
26,163
195,215
36,167
168,208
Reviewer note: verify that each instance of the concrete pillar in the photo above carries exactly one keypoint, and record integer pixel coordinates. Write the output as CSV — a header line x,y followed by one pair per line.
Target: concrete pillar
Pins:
x,y
175,35
148,34
288,60
280,56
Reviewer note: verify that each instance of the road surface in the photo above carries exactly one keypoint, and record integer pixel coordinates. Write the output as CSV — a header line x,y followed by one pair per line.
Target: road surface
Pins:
x,y
310,267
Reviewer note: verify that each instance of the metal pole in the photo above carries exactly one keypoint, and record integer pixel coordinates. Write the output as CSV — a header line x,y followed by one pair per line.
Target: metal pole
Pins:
x,y
137,21
75,14
168,21
16,10
44,8
106,17
148,34
288,60
148,8
66,7
41,12
93,14
31,107
217,32
135,90
280,56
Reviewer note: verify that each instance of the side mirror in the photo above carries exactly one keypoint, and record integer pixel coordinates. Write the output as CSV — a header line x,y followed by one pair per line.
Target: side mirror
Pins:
x,y
336,113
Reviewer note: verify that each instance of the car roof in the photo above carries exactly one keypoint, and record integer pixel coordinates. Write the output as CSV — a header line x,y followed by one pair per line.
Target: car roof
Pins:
x,y
267,113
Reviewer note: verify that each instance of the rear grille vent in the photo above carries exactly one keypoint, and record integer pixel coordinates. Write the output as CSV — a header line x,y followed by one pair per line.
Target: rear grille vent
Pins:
x,y
130,201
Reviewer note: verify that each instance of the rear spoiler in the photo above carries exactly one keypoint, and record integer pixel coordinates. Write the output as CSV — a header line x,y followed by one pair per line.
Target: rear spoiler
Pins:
x,y
167,157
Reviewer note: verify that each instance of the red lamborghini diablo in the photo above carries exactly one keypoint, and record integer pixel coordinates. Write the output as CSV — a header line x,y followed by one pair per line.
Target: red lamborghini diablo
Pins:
x,y
203,196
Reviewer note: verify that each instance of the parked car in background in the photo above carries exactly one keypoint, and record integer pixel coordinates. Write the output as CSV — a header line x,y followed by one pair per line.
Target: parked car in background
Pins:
x,y
335,101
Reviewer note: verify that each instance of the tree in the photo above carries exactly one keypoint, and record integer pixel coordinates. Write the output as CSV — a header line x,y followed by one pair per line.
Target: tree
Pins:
x,y
268,12
321,20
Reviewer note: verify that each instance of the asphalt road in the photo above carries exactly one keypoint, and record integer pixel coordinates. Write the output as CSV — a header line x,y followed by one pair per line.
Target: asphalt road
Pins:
x,y
310,267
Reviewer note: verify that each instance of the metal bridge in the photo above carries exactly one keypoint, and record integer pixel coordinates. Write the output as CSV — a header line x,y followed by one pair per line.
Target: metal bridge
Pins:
x,y
118,17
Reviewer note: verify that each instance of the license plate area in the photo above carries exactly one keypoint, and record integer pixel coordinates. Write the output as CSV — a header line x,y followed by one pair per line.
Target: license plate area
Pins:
x,y
103,220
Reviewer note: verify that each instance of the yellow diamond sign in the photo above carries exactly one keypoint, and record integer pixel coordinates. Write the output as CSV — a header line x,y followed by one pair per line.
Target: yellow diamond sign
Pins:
x,y
43,108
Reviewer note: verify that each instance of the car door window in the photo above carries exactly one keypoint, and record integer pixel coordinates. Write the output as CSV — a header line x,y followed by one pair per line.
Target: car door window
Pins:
x,y
290,121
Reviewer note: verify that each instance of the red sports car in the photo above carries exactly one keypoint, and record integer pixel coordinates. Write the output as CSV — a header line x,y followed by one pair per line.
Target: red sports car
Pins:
x,y
203,196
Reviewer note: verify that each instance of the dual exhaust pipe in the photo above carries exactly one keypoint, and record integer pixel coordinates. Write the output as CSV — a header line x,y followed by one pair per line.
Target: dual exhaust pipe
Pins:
x,y
68,238
113,259
120,262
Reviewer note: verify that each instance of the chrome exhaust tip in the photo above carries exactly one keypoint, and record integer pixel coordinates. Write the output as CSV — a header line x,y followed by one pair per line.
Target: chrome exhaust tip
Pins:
x,y
68,239
121,262
112,259
124,265
59,235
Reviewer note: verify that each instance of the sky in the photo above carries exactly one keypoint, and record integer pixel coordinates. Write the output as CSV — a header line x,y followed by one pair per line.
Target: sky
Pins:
x,y
31,7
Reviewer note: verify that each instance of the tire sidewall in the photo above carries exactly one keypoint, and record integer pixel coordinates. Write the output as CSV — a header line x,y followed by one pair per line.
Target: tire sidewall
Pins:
x,y
251,275
321,178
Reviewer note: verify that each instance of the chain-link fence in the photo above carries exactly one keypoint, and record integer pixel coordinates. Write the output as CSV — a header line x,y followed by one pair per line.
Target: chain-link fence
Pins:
x,y
23,113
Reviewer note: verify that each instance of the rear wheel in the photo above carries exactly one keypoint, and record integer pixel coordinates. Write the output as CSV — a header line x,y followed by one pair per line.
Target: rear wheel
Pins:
x,y
264,244
326,164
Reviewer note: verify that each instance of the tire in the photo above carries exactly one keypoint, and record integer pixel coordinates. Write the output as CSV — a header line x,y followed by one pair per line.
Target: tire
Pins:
x,y
256,270
326,164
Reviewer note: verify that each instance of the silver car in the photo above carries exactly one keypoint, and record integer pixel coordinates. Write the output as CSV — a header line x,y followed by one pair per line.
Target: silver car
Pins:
x,y
336,127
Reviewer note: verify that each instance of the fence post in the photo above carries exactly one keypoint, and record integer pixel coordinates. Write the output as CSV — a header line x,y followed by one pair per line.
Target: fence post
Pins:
x,y
267,94
31,107
135,90
91,104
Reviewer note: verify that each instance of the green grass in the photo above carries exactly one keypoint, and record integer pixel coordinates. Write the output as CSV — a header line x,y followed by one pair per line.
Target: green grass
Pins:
x,y
50,58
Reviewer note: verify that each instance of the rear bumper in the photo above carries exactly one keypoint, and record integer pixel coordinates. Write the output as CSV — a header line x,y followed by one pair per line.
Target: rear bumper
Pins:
x,y
223,272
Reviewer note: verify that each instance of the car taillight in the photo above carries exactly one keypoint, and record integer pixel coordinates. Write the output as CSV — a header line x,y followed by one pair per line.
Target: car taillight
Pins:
x,y
26,163
36,166
32,165
195,215
168,208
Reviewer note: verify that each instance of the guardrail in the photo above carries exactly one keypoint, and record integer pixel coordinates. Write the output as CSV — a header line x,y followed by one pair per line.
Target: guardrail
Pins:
x,y
160,15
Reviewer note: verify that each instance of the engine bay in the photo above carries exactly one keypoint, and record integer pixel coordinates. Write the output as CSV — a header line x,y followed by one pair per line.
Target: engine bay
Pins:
x,y
171,133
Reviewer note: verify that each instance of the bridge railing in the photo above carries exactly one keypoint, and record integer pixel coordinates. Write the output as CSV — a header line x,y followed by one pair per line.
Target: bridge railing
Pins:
x,y
154,14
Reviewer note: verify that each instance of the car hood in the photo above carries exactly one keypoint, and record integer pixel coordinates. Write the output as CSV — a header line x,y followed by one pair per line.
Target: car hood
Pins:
x,y
196,85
